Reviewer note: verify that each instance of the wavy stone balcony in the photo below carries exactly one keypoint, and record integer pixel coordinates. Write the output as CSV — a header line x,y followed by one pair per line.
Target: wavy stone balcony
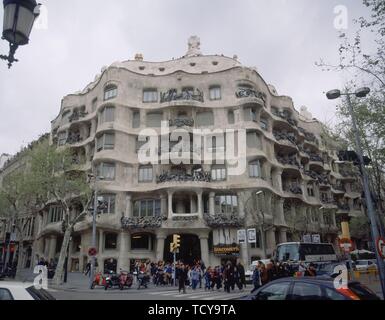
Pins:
x,y
295,189
289,160
283,136
181,122
224,220
77,115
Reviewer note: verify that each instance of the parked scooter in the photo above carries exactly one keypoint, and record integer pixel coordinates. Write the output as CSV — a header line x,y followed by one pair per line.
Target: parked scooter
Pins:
x,y
99,280
125,279
143,280
112,280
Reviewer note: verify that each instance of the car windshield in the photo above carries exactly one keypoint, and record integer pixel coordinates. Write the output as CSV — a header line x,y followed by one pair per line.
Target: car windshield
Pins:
x,y
363,292
39,294
361,263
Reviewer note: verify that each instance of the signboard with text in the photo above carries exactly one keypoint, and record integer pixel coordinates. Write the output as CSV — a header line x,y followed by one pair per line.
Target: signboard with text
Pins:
x,y
222,250
252,235
241,236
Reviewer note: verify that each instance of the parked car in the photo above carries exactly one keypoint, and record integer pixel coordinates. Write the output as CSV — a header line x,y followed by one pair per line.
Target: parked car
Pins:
x,y
365,265
328,268
251,268
310,288
22,291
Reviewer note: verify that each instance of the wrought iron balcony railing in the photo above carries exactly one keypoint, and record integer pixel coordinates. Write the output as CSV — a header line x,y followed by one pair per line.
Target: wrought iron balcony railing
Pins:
x,y
142,222
250,93
77,115
181,122
198,176
173,95
224,220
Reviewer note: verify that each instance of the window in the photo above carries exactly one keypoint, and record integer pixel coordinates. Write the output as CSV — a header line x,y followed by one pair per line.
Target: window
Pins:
x,y
253,140
154,119
107,203
140,242
333,295
310,190
5,295
264,124
107,115
250,114
277,291
94,104
205,119
230,117
106,170
136,119
150,95
226,204
306,291
62,138
106,142
110,92
110,241
147,208
145,174
255,169
55,214
215,93
218,173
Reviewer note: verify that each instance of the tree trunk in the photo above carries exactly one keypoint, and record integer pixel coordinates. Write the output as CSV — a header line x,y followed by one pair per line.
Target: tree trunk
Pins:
x,y
59,273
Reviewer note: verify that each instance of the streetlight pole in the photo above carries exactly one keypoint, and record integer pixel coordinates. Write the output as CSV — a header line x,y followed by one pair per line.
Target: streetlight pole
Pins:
x,y
334,94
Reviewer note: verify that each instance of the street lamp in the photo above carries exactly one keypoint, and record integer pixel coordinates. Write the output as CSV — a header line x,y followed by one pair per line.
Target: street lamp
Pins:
x,y
19,16
95,212
361,93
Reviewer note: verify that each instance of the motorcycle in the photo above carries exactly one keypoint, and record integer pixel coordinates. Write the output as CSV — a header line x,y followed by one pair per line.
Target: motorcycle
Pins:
x,y
112,280
143,280
125,280
99,280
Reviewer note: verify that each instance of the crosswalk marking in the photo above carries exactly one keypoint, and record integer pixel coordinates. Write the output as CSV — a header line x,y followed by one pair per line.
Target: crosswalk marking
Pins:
x,y
200,294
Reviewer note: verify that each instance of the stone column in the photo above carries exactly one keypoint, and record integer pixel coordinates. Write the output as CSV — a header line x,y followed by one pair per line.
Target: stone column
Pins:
x,y
170,194
270,239
200,204
282,235
279,214
52,247
333,216
39,223
128,212
268,203
123,262
241,206
160,239
278,179
204,249
212,203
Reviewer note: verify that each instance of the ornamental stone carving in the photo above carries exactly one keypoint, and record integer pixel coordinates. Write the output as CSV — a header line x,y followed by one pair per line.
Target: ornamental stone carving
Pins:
x,y
142,222
224,220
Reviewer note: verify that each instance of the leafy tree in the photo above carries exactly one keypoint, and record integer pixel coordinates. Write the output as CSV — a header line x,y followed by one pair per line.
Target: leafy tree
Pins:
x,y
54,180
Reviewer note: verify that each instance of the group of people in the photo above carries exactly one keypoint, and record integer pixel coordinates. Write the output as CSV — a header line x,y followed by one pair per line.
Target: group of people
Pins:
x,y
265,273
228,275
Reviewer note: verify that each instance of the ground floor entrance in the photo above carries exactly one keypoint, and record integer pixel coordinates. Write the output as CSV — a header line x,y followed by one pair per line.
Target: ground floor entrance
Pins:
x,y
189,251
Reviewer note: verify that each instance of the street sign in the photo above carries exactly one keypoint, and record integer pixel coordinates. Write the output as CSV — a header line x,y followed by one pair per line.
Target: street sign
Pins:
x,y
92,252
380,246
241,236
252,235
316,238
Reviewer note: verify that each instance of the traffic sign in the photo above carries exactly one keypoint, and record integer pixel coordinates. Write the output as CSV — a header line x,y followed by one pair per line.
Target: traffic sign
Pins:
x,y
346,244
380,246
92,252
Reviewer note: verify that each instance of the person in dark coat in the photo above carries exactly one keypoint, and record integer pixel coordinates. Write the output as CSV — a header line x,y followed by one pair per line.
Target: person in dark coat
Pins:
x,y
242,277
182,277
228,276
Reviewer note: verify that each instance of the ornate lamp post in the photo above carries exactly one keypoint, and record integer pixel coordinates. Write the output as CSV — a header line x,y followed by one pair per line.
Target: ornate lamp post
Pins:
x,y
361,93
19,16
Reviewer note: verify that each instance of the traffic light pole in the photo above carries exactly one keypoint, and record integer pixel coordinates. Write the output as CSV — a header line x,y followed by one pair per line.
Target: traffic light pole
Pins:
x,y
368,197
93,259
175,267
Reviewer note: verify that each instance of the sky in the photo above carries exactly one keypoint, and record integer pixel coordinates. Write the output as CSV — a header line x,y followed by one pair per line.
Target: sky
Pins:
x,y
74,39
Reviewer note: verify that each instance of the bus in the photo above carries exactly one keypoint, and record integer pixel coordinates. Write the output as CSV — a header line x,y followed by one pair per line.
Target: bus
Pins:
x,y
306,252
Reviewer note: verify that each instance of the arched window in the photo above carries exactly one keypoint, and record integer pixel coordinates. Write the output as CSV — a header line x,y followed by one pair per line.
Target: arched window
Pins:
x,y
110,92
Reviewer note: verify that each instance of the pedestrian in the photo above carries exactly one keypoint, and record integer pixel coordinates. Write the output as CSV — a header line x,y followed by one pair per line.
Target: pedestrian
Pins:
x,y
182,277
207,277
256,279
242,276
263,273
228,277
88,269
311,271
195,274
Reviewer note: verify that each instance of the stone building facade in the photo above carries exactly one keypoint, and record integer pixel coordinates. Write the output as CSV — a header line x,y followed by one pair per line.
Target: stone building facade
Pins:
x,y
293,183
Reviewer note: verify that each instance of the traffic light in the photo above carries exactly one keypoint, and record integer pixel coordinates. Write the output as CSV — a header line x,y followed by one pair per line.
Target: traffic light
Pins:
x,y
176,240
